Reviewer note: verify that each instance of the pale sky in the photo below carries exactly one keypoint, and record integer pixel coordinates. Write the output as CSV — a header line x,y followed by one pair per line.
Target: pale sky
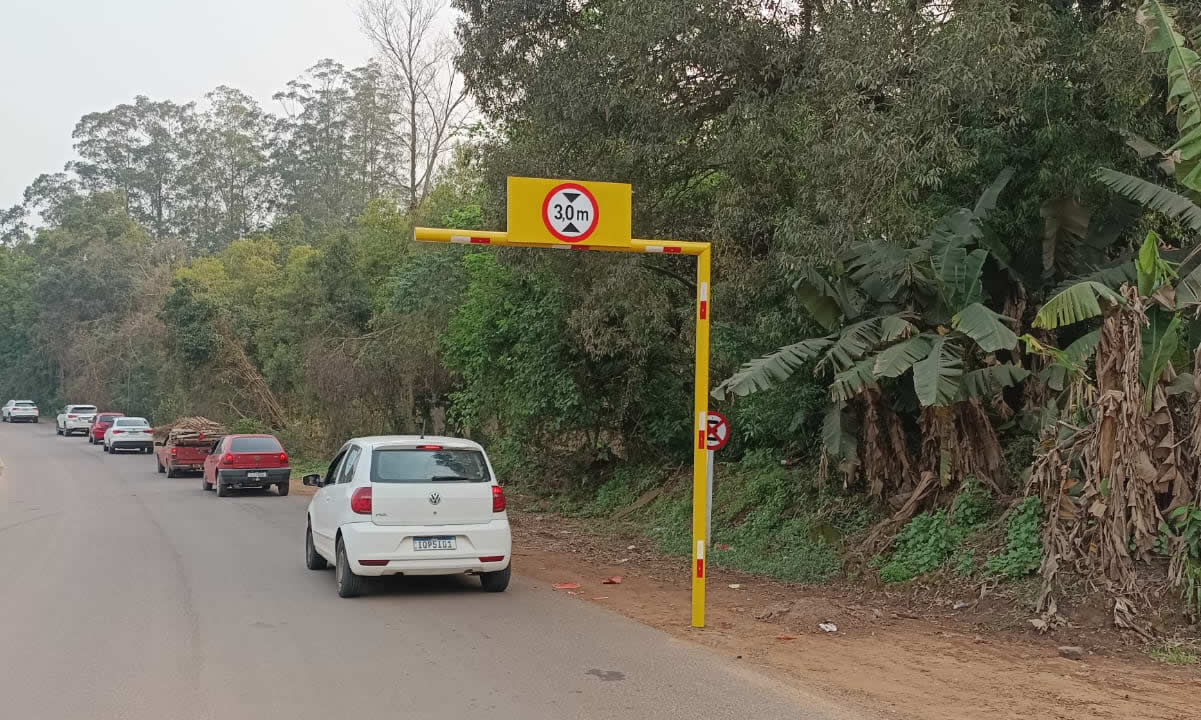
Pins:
x,y
61,59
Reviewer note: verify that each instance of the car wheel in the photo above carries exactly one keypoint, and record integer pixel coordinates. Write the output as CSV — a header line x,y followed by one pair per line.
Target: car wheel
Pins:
x,y
312,560
91,440
204,484
58,430
349,585
222,490
159,463
171,471
496,581
282,488
107,448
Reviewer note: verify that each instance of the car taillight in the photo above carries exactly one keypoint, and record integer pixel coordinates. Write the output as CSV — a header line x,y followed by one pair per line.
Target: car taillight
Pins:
x,y
228,459
360,501
117,432
283,458
498,499
429,447
70,417
174,451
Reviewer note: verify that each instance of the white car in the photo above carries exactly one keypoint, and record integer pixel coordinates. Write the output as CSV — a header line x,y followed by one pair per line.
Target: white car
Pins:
x,y
408,505
19,411
129,433
75,419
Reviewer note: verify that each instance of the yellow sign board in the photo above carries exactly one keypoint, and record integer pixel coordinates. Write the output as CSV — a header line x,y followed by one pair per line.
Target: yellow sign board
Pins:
x,y
570,212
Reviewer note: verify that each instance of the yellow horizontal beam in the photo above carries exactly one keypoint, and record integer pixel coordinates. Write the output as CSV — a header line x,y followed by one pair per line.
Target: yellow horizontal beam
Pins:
x,y
490,237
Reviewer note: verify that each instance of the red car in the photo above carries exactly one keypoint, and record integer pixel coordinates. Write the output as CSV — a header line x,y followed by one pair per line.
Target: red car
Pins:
x,y
241,462
102,422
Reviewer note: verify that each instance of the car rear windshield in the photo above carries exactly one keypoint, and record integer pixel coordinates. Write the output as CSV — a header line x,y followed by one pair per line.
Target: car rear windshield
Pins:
x,y
130,422
254,444
84,409
24,404
422,466
106,418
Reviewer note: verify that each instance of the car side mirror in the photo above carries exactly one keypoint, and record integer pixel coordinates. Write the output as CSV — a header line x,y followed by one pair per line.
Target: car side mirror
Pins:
x,y
313,480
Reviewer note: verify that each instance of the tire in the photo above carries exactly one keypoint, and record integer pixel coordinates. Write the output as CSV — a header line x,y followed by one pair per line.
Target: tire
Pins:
x,y
222,490
159,463
91,440
171,471
312,559
107,449
349,585
282,489
57,429
496,581
204,484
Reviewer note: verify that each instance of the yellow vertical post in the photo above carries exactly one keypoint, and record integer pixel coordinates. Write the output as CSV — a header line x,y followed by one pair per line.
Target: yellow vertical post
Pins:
x,y
700,415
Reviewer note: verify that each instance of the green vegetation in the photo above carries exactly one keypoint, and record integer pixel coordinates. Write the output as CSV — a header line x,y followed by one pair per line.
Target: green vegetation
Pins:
x,y
1023,546
930,539
1172,655
947,271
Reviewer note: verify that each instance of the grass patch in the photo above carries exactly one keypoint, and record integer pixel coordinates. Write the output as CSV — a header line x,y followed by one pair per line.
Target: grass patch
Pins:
x,y
1174,655
767,520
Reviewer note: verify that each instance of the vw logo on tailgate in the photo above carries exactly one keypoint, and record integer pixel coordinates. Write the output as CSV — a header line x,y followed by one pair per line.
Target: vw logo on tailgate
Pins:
x,y
435,498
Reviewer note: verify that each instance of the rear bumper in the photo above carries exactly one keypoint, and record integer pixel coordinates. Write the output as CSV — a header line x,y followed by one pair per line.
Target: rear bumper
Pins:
x,y
14,417
131,444
76,426
394,545
241,479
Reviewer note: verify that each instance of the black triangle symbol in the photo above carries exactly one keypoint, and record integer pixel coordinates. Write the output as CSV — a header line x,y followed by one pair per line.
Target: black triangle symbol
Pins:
x,y
571,196
571,228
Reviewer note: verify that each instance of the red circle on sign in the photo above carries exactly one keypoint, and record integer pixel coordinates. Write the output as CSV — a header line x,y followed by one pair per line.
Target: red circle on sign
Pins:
x,y
546,213
714,441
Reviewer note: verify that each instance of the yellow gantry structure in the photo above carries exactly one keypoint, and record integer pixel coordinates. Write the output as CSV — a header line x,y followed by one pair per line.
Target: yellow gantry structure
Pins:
x,y
576,215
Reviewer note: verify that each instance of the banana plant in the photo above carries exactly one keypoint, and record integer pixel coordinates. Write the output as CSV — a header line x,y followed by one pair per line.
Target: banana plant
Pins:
x,y
1168,298
893,315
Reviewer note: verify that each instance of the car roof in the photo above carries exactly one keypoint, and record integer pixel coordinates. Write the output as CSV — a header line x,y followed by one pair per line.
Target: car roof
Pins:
x,y
377,441
112,413
251,435
20,401
81,405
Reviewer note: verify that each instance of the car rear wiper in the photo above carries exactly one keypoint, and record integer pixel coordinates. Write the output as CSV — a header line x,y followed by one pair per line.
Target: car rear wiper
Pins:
x,y
450,478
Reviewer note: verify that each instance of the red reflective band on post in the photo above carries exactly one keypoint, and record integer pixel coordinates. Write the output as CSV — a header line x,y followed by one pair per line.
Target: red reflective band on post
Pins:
x,y
481,241
700,440
700,567
671,250
579,247
704,310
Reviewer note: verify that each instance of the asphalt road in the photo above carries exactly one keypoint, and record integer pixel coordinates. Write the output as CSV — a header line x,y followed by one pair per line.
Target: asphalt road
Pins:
x,y
127,595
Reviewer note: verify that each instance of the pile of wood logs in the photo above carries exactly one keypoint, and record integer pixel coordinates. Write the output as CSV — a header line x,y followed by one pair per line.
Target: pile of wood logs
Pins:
x,y
190,431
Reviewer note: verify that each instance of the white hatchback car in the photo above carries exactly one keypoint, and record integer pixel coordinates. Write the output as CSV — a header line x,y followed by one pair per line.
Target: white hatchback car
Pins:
x,y
408,505
75,419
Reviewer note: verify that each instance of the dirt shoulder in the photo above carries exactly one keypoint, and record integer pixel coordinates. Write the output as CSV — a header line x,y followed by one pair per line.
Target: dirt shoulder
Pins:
x,y
889,656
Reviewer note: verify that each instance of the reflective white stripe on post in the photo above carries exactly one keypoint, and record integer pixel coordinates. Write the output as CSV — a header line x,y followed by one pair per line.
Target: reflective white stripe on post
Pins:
x,y
654,248
460,239
704,291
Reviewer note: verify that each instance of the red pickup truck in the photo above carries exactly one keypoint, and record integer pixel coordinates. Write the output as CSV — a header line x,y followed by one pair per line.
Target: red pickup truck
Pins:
x,y
174,457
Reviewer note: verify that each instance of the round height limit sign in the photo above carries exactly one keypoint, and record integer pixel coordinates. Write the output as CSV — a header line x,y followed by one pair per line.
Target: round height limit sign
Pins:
x,y
570,212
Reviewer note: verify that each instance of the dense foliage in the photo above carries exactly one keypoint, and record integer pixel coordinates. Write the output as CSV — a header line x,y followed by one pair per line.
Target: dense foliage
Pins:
x,y
892,191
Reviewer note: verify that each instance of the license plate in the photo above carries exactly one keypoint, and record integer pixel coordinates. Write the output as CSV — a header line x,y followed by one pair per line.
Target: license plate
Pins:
x,y
256,474
434,543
